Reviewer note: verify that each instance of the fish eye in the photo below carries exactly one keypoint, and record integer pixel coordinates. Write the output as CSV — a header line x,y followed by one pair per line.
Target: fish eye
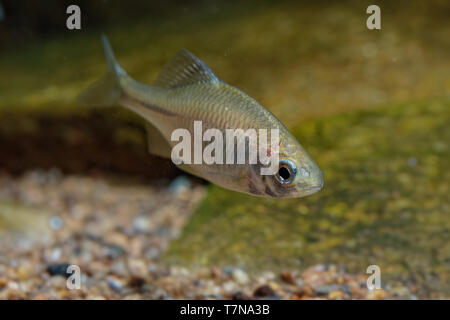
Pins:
x,y
286,172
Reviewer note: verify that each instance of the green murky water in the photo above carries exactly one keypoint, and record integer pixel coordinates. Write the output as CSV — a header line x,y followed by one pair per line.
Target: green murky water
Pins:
x,y
298,59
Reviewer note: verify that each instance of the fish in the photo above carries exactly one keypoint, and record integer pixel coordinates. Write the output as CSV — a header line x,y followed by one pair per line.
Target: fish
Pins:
x,y
187,91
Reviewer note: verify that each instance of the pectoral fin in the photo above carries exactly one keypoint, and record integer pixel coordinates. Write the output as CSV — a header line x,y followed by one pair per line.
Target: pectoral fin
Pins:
x,y
156,143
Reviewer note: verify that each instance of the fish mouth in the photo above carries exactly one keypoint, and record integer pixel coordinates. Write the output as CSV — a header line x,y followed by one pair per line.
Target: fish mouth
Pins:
x,y
310,189
315,189
318,185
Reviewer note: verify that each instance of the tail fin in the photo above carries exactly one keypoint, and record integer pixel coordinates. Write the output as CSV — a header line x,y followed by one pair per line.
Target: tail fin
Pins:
x,y
106,91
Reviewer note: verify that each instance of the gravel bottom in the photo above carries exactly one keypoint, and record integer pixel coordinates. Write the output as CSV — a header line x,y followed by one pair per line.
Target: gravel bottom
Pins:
x,y
116,233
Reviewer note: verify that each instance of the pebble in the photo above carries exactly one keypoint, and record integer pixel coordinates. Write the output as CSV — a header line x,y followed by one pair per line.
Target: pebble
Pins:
x,y
240,276
23,272
55,223
136,282
119,268
216,272
179,185
58,269
229,286
299,282
336,294
13,285
287,277
114,283
238,295
324,290
113,251
320,268
138,268
376,294
264,291
142,224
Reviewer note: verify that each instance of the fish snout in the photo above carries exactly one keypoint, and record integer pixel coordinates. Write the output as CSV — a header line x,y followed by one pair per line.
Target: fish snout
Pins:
x,y
318,180
311,180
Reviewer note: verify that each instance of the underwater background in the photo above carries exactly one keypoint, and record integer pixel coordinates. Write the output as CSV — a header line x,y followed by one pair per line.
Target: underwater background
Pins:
x,y
372,107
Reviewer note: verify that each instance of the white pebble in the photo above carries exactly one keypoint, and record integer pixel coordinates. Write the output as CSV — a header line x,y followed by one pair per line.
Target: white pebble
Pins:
x,y
55,223
240,276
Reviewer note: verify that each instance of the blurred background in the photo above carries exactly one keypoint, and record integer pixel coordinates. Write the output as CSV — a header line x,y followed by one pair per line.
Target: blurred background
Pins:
x,y
372,107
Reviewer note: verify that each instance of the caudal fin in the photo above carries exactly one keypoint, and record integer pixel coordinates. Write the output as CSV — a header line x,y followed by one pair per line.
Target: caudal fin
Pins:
x,y
106,91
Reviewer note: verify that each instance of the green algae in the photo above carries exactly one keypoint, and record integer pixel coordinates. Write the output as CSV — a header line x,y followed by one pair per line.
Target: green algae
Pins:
x,y
18,220
385,202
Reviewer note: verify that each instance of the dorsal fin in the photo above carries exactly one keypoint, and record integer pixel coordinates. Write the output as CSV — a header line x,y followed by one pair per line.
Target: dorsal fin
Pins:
x,y
185,69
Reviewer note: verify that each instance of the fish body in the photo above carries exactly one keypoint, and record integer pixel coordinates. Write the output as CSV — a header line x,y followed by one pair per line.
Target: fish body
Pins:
x,y
187,91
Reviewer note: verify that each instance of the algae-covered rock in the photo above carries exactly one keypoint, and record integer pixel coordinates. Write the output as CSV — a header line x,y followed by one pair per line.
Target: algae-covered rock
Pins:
x,y
385,202
22,224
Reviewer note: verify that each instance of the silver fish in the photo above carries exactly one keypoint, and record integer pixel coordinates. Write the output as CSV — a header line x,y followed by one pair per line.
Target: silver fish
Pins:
x,y
187,91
